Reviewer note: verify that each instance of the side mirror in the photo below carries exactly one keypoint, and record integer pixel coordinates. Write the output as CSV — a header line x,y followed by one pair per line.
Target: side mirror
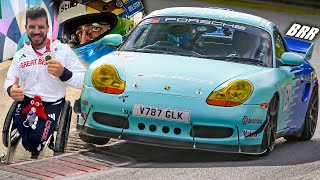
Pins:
x,y
112,39
292,59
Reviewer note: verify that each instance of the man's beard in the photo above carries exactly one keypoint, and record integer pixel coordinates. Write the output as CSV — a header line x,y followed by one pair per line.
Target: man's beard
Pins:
x,y
37,43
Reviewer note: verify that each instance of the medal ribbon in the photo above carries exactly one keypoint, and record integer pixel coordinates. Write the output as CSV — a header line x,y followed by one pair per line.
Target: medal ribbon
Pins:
x,y
47,48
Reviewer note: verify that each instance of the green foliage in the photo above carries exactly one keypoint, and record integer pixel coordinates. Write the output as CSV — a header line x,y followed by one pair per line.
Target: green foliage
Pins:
x,y
266,6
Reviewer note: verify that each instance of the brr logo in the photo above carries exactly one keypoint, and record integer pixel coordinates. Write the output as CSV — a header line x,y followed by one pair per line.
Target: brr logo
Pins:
x,y
302,31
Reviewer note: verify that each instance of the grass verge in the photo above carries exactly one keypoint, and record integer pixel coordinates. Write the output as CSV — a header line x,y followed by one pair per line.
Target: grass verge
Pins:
x,y
271,7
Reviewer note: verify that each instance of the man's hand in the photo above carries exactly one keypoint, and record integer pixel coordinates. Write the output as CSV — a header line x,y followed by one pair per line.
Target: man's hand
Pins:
x,y
16,92
54,67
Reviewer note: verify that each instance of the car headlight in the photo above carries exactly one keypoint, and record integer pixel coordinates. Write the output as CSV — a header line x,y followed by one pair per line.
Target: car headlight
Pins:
x,y
106,79
234,94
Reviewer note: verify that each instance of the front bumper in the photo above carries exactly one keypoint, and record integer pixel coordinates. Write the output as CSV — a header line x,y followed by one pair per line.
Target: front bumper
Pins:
x,y
249,149
210,128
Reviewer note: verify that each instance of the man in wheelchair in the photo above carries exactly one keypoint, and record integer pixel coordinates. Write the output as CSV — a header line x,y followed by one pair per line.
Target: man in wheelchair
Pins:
x,y
37,80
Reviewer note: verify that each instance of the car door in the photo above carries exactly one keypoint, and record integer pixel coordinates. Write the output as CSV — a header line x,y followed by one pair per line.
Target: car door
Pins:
x,y
294,89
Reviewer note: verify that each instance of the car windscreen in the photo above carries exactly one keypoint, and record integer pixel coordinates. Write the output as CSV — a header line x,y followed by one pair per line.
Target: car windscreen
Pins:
x,y
203,38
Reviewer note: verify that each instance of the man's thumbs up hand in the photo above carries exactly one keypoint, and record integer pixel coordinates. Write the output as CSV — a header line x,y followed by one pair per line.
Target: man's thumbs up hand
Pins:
x,y
16,82
16,92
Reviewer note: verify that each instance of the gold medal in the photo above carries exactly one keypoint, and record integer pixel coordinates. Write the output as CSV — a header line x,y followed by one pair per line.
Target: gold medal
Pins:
x,y
47,56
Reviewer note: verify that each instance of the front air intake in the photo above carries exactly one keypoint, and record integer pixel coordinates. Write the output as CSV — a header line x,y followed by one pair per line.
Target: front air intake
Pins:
x,y
211,132
111,120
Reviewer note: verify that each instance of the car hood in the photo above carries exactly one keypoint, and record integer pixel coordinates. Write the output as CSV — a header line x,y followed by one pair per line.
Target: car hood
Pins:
x,y
177,75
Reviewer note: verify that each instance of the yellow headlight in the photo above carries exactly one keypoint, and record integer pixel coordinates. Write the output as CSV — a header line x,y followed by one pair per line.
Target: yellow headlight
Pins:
x,y
234,94
106,79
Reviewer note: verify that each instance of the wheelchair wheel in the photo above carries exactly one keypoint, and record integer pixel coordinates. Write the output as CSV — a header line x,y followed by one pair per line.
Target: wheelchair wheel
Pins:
x,y
63,129
13,134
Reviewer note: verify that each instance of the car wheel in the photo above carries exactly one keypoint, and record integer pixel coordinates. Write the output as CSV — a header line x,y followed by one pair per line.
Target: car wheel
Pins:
x,y
310,120
94,140
270,131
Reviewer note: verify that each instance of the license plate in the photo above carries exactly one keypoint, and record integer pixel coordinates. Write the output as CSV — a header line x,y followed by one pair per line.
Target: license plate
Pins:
x,y
160,113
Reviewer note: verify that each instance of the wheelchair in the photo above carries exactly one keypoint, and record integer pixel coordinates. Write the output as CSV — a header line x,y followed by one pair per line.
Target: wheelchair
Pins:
x,y
11,136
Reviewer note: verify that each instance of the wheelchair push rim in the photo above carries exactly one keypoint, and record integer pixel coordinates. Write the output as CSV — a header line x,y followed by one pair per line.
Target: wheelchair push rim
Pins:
x,y
10,134
63,128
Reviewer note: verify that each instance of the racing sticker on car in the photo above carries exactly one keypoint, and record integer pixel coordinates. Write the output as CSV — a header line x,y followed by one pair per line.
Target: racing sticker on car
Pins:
x,y
247,133
287,99
205,22
302,31
155,20
160,113
247,120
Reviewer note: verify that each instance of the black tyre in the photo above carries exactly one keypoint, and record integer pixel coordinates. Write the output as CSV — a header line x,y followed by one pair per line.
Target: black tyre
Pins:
x,y
311,118
14,131
94,140
63,129
270,131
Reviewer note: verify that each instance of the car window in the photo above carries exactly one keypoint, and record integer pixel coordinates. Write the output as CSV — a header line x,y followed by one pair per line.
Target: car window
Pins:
x,y
201,38
279,45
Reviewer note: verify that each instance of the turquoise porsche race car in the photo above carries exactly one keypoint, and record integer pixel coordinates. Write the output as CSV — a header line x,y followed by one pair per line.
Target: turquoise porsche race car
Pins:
x,y
201,78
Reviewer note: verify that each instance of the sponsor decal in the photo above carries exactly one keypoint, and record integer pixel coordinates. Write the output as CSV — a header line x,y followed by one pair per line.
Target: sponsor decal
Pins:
x,y
247,120
247,133
84,102
98,47
155,20
287,99
302,31
133,7
205,21
68,6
